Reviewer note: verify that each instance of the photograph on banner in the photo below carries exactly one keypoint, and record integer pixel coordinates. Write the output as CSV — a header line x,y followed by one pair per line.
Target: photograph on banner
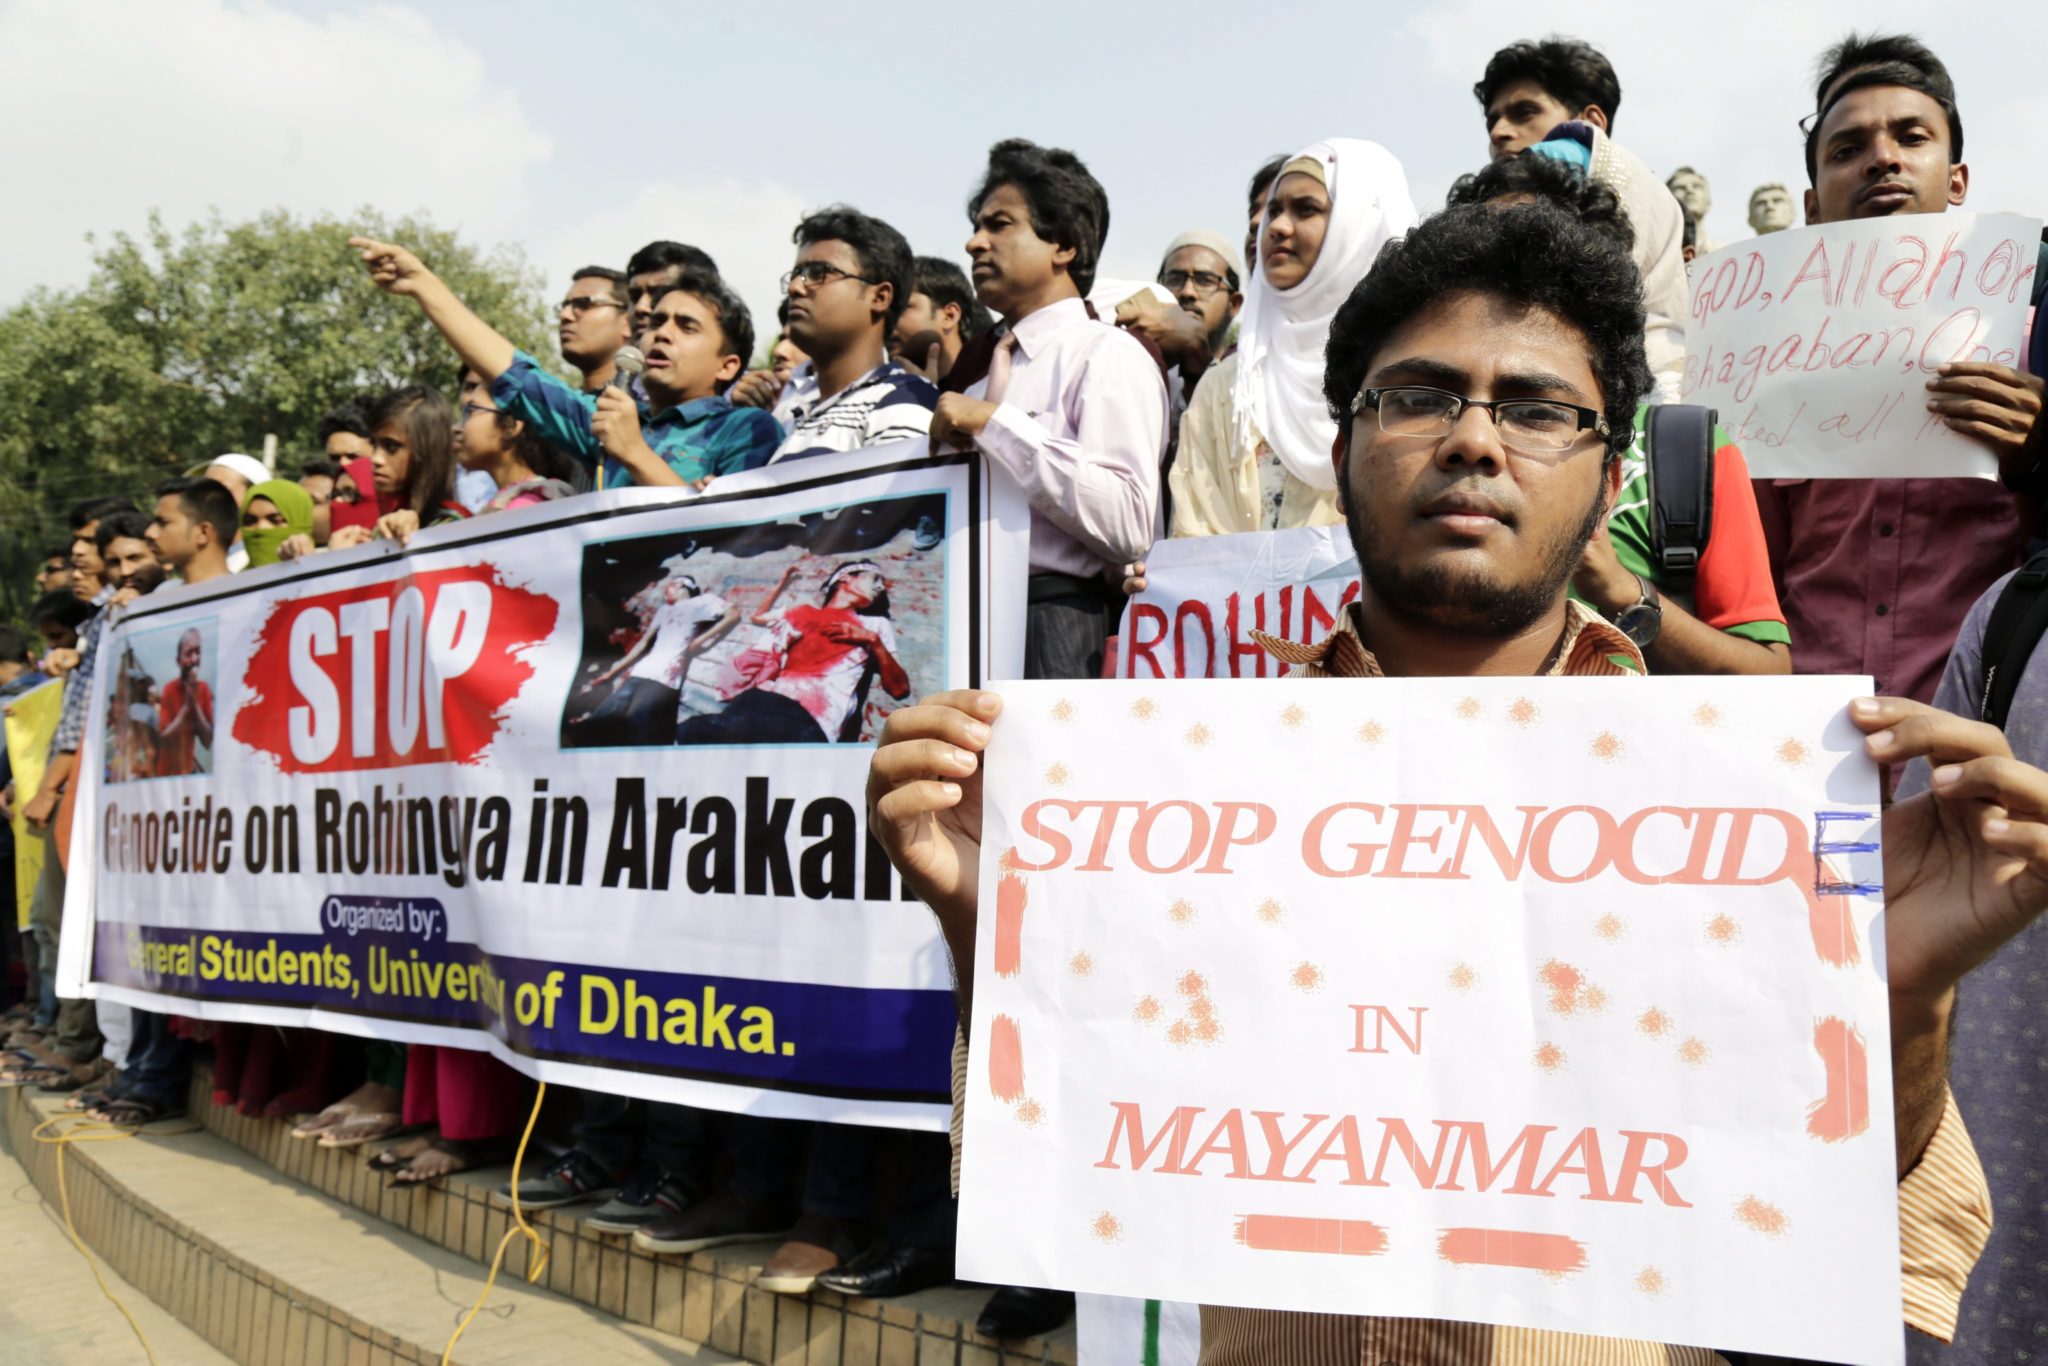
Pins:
x,y
409,830
1205,595
159,720
1815,345
807,631
1543,1002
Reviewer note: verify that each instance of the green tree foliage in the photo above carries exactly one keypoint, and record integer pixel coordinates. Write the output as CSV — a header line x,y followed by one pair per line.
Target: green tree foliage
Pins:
x,y
187,344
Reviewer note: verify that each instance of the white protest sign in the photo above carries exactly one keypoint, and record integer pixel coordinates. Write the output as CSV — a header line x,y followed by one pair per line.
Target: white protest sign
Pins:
x,y
1537,1002
1816,344
1205,595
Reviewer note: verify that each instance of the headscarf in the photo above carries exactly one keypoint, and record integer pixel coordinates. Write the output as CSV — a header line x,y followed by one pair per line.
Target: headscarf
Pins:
x,y
288,498
363,512
1282,333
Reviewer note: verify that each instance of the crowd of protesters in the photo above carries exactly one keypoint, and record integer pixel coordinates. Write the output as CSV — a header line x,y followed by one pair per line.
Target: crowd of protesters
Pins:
x,y
1208,401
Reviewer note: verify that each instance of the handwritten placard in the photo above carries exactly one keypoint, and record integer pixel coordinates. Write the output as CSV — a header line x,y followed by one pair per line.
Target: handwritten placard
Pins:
x,y
1542,1002
1816,344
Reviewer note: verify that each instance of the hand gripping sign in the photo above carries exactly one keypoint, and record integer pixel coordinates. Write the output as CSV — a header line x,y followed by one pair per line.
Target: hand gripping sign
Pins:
x,y
1541,1002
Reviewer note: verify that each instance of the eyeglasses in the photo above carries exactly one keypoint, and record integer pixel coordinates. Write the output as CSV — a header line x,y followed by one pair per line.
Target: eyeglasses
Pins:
x,y
817,274
1204,281
470,410
582,305
1537,427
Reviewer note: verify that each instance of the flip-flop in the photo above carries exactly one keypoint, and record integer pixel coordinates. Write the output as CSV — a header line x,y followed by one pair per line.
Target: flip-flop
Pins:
x,y
78,1078
391,1159
132,1112
381,1125
468,1155
333,1117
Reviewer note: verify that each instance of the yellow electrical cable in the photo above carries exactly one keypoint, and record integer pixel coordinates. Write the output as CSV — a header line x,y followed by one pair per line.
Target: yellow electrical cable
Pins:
x,y
83,1130
537,1263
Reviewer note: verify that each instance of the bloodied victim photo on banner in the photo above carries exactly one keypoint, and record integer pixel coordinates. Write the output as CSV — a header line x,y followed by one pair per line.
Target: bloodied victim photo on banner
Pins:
x,y
580,784
160,709
809,630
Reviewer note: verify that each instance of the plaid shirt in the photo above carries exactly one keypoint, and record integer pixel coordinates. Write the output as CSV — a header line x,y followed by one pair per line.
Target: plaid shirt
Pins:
x,y
78,686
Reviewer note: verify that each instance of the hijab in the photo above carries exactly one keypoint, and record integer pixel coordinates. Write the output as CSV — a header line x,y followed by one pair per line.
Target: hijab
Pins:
x,y
363,512
1282,334
288,498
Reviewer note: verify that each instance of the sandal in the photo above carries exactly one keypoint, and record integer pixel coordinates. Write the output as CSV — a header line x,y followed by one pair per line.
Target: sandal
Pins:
x,y
333,1117
43,1075
359,1129
133,1112
457,1156
399,1154
77,1078
97,1098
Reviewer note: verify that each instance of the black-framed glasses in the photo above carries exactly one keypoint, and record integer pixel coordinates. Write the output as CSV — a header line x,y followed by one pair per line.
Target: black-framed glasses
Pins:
x,y
470,410
817,274
584,303
1533,426
1204,281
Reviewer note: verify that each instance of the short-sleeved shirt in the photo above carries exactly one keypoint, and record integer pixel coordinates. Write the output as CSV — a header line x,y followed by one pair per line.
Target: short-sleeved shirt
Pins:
x,y
821,674
699,439
673,626
1732,589
889,403
178,754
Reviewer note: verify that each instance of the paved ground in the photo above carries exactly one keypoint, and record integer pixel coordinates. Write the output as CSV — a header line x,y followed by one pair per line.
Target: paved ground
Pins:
x,y
51,1310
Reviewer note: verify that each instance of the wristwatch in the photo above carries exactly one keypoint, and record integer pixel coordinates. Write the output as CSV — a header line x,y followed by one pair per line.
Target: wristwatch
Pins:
x,y
1642,619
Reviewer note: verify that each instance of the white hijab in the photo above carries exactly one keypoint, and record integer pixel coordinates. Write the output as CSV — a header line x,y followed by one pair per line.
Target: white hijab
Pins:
x,y
1282,332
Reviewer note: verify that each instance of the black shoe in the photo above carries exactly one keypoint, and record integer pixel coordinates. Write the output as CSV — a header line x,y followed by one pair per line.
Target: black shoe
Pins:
x,y
1022,1311
884,1271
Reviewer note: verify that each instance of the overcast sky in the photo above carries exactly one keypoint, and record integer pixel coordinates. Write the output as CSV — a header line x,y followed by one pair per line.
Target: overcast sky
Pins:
x,y
577,132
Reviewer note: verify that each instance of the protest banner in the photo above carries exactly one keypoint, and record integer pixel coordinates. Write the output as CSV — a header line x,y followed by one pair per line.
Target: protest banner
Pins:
x,y
1542,1002
1816,344
30,721
1205,595
582,784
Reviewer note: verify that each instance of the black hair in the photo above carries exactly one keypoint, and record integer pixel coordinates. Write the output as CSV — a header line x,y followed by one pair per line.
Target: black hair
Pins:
x,y
617,279
1536,255
782,317
54,552
1558,182
883,252
92,509
1263,178
321,468
62,606
671,256
132,525
529,447
204,500
734,321
945,283
1069,207
1574,73
1862,60
349,418
429,424
13,644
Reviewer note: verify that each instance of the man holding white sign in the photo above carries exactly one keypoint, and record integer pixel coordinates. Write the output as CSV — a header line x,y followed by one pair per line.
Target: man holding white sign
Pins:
x,y
1873,572
1476,372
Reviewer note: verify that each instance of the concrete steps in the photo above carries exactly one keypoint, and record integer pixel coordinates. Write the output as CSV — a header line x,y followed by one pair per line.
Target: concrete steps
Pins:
x,y
269,1271
279,1250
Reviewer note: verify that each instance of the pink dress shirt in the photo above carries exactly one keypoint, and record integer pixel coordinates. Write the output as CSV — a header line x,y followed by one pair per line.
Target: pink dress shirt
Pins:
x,y
1082,427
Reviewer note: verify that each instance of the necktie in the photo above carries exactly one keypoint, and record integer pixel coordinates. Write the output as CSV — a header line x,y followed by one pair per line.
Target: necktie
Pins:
x,y
999,368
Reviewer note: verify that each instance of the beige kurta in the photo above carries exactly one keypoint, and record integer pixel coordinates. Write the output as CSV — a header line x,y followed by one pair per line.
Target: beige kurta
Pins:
x,y
1215,483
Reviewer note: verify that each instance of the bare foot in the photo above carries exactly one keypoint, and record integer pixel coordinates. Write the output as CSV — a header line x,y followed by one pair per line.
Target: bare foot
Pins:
x,y
444,1158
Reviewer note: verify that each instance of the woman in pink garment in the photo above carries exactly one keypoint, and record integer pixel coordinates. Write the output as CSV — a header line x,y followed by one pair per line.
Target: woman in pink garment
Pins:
x,y
471,1101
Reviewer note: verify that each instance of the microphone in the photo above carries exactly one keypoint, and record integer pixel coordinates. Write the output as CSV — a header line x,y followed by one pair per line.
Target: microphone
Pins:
x,y
628,364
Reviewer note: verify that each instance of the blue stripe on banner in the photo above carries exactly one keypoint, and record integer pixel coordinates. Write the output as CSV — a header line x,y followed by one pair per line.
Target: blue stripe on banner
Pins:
x,y
849,1042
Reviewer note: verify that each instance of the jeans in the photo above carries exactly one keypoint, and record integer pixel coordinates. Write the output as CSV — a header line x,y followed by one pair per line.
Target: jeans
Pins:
x,y
623,1134
159,1063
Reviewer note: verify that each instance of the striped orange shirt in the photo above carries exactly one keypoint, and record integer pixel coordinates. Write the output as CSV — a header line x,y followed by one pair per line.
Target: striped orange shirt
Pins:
x,y
1944,1202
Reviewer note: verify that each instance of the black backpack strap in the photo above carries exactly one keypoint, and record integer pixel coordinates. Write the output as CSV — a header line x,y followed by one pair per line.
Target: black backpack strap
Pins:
x,y
1678,462
2018,620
